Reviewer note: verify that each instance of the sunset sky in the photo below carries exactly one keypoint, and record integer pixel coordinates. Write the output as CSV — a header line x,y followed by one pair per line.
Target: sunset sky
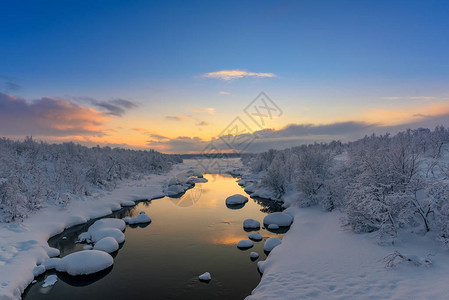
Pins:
x,y
173,75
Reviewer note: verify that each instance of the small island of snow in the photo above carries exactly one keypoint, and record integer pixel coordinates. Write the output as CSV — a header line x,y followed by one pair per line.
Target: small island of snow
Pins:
x,y
205,277
140,219
107,244
85,262
271,243
236,199
251,224
244,244
278,218
255,236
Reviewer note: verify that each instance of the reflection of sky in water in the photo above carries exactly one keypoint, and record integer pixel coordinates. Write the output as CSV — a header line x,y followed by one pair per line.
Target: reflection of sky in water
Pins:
x,y
188,235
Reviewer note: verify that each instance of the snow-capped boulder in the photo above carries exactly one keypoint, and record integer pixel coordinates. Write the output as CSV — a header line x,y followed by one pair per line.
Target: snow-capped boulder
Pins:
x,y
236,199
107,244
174,190
244,244
108,232
273,226
84,237
254,255
142,218
205,276
50,280
85,262
278,218
51,263
251,224
128,203
52,252
261,266
87,247
271,243
38,270
255,237
107,223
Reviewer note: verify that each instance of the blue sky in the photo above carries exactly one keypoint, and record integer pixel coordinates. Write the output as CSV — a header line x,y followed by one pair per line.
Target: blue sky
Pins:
x,y
332,61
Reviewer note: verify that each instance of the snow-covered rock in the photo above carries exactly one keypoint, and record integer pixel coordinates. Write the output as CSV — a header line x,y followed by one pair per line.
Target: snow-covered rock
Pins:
x,y
205,276
236,199
251,224
108,232
142,218
174,190
84,237
271,243
85,262
261,266
52,252
50,280
255,236
279,218
107,244
244,244
107,223
51,263
254,255
128,203
87,247
273,226
38,270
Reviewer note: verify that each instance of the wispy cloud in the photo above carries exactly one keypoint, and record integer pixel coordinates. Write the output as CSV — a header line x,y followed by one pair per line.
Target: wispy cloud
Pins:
x,y
48,117
115,107
175,118
224,93
202,123
235,74
208,110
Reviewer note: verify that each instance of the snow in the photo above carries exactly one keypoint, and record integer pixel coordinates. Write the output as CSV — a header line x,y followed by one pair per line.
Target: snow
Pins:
x,y
128,203
174,190
319,259
205,276
38,270
107,223
255,236
273,226
251,224
271,243
254,255
107,244
22,243
236,199
279,218
50,280
51,263
244,244
87,247
85,262
142,218
115,233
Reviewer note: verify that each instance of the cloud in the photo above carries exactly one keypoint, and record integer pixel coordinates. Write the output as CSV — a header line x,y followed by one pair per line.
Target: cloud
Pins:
x,y
391,98
235,74
202,123
208,110
116,107
48,117
175,118
224,93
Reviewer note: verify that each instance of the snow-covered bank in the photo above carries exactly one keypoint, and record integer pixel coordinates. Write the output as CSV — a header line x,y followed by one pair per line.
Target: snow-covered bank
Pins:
x,y
24,244
319,259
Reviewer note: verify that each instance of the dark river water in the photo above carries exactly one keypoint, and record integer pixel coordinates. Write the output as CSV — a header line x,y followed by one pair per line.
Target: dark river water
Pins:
x,y
188,236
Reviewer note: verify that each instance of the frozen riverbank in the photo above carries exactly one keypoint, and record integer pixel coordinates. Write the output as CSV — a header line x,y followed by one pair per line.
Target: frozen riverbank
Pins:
x,y
319,259
24,244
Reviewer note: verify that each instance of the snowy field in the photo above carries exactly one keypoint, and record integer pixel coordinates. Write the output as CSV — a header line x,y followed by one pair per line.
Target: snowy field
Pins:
x,y
24,244
319,259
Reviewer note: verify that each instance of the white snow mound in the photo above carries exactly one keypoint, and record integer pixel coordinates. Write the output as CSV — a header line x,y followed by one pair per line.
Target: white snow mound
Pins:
x,y
236,199
251,223
50,280
85,262
278,218
254,255
255,236
271,243
273,226
106,232
205,276
107,223
245,244
107,244
139,219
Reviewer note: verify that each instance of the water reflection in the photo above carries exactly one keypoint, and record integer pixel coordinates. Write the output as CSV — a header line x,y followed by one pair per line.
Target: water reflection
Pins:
x,y
268,206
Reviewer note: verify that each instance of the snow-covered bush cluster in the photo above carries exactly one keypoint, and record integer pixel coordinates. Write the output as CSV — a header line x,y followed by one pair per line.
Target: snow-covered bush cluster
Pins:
x,y
36,173
384,183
